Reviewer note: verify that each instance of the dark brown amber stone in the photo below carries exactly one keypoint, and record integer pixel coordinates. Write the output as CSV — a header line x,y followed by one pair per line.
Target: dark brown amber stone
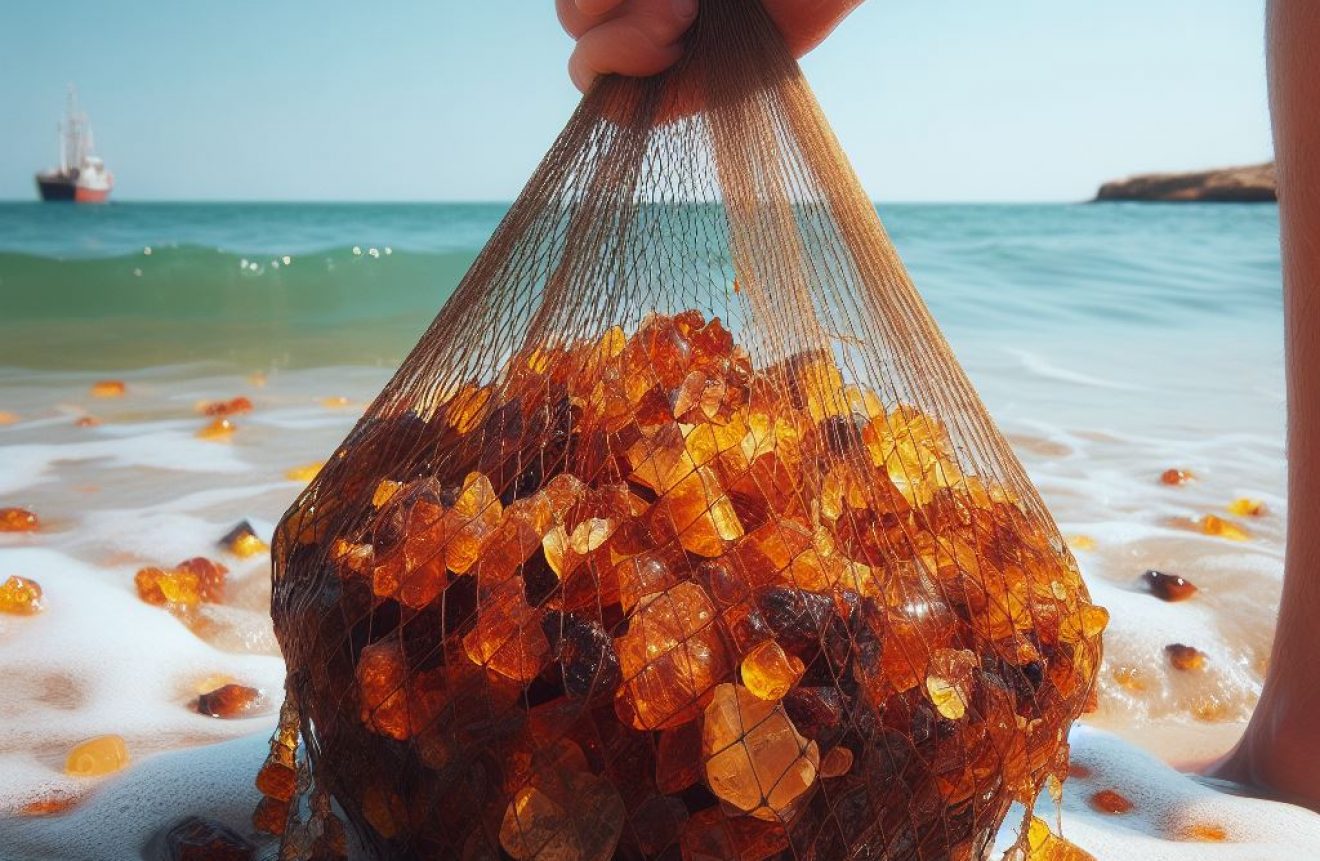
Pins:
x,y
197,839
1185,657
1168,587
231,701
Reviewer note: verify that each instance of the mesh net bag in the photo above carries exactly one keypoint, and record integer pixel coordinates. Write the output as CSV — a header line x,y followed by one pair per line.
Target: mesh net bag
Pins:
x,y
680,534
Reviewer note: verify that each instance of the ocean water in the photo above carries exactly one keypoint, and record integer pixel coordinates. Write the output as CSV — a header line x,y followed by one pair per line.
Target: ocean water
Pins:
x,y
1110,342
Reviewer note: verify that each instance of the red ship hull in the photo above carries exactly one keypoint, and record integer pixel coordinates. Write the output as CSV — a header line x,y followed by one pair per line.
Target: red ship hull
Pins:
x,y
90,195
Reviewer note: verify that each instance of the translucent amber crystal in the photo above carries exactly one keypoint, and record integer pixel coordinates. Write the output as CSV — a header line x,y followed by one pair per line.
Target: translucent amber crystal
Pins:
x,y
678,758
769,672
562,814
395,699
384,492
1176,476
20,596
837,762
108,389
642,575
1204,832
670,658
476,514
948,681
270,816
197,839
1244,507
1110,801
1184,657
54,805
242,541
756,760
231,701
1212,525
167,586
218,429
1042,845
335,402
701,514
304,473
508,637
1168,587
277,779
103,754
18,520
210,577
1081,542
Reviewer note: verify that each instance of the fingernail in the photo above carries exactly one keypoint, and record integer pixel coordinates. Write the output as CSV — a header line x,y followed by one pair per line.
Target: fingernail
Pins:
x,y
685,10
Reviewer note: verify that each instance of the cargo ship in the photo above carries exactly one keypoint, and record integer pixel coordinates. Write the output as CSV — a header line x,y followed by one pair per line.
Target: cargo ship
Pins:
x,y
82,177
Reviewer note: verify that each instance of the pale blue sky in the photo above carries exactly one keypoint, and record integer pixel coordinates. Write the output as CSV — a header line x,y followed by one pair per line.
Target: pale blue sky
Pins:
x,y
955,100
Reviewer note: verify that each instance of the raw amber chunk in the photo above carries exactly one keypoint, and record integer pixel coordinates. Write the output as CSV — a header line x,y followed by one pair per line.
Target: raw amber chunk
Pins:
x,y
242,541
108,389
166,586
1244,507
1081,542
277,780
508,637
756,760
18,520
574,816
385,492
1212,525
836,763
20,596
769,672
1176,476
270,816
1204,832
948,681
96,756
670,658
304,473
334,402
210,577
231,407
219,429
1185,657
50,806
1110,801
197,839
712,836
231,701
1168,587
1045,846
476,514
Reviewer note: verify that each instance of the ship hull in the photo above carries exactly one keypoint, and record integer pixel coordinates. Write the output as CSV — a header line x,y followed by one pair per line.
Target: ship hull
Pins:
x,y
82,194
57,189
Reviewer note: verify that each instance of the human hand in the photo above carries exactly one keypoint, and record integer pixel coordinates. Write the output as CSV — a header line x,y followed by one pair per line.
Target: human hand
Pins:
x,y
644,37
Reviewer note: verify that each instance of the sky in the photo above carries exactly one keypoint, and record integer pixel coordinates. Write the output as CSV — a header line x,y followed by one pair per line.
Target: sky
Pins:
x,y
942,100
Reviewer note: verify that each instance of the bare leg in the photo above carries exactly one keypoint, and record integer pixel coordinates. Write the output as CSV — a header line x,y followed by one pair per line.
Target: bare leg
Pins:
x,y
1280,752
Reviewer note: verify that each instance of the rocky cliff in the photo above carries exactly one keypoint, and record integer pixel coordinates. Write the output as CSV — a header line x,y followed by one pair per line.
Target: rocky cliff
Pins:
x,y
1249,184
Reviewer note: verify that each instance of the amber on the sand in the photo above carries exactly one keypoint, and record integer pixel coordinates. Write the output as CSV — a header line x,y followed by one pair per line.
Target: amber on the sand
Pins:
x,y
643,600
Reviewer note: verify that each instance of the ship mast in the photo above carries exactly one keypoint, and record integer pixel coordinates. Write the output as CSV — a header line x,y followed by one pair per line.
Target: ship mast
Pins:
x,y
75,148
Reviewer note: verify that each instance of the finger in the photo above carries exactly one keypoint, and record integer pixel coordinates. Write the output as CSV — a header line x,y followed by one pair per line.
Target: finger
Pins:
x,y
644,40
577,21
597,8
806,23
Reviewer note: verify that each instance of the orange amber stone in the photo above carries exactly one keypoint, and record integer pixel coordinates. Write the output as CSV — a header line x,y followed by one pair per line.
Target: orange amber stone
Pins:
x,y
108,389
210,577
1168,587
1212,525
231,701
1110,801
670,658
242,541
1205,832
304,473
756,760
1176,476
52,806
271,816
97,756
231,407
20,596
1244,507
164,586
836,763
18,520
219,429
1185,657
197,839
769,672
8,418
1045,846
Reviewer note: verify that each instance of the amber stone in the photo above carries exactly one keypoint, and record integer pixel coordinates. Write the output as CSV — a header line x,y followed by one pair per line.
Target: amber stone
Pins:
x,y
270,816
231,701
671,657
1185,657
563,814
1212,525
218,429
197,839
1176,476
168,586
1168,587
1244,507
1110,801
20,596
18,520
242,541
103,754
210,577
836,763
712,836
231,407
770,672
108,389
756,760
